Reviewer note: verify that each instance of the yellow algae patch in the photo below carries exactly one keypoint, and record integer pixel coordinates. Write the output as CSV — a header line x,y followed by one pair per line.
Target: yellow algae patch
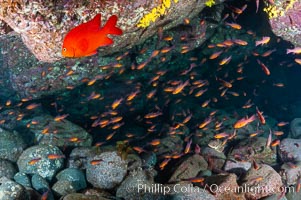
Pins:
x,y
273,11
155,13
279,9
209,3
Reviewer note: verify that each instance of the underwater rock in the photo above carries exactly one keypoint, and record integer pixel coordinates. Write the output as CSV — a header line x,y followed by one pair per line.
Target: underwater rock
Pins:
x,y
224,186
169,145
108,171
78,157
79,196
22,179
276,197
237,167
11,120
290,150
44,160
61,133
4,28
35,195
135,186
43,31
11,145
7,169
254,148
189,168
10,190
214,158
290,172
293,195
295,127
205,173
285,21
39,183
63,187
98,193
70,180
135,162
265,181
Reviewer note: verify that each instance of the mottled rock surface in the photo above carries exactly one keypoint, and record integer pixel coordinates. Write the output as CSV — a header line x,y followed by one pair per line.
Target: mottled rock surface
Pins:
x,y
109,172
70,180
35,160
224,186
214,158
10,190
189,168
79,196
7,169
22,179
295,127
285,20
169,145
290,150
254,148
42,26
78,157
135,186
11,145
238,167
62,133
290,172
261,182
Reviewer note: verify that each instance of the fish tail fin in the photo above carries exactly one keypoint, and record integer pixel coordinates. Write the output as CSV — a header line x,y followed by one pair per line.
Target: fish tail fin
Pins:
x,y
110,26
253,117
288,51
257,43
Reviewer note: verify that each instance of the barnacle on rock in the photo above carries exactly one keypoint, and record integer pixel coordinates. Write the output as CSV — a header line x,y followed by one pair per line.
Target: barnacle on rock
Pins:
x,y
155,13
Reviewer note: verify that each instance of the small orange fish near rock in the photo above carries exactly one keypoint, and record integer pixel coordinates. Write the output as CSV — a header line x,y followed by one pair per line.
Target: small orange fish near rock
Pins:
x,y
296,50
263,41
84,39
244,121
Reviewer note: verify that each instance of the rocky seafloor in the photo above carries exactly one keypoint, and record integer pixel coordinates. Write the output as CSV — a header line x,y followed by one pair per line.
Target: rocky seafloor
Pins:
x,y
193,109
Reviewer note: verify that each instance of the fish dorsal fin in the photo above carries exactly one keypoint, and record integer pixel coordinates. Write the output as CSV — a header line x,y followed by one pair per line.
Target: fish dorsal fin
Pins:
x,y
95,23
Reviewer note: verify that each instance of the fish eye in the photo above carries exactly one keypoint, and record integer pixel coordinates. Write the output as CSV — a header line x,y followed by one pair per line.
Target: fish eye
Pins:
x,y
64,49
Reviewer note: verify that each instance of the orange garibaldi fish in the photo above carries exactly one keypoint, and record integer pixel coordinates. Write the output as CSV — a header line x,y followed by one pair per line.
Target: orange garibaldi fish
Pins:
x,y
84,39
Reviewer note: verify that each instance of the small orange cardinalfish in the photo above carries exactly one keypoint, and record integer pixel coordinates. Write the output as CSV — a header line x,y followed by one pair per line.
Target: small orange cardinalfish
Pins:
x,y
55,156
84,39
188,145
233,25
34,161
260,116
264,67
221,135
282,124
244,121
263,41
195,179
164,163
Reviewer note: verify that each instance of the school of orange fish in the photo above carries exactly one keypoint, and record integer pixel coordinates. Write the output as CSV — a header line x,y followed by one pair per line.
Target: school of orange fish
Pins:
x,y
176,87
